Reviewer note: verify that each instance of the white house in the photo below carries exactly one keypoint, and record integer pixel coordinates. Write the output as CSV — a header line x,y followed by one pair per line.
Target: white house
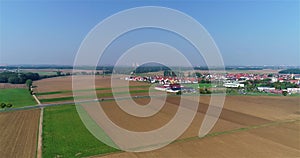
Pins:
x,y
266,89
293,90
274,79
233,85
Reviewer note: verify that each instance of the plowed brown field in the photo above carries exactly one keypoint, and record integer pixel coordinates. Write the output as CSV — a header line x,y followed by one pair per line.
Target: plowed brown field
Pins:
x,y
245,144
18,133
259,121
65,83
63,87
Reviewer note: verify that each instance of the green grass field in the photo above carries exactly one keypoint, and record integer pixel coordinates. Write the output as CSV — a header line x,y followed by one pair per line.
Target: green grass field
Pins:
x,y
19,97
42,73
64,135
200,85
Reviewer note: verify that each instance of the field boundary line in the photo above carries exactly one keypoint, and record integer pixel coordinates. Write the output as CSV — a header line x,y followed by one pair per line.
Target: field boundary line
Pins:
x,y
40,132
40,136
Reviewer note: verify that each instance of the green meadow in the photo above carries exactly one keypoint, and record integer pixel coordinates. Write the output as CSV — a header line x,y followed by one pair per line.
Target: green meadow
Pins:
x,y
19,97
64,135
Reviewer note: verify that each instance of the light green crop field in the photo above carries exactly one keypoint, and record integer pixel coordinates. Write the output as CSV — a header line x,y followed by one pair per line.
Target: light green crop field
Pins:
x,y
19,97
64,135
200,85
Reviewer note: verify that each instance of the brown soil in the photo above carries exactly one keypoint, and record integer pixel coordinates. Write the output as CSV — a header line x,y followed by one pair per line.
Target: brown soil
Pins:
x,y
9,85
65,83
247,144
86,93
18,136
280,140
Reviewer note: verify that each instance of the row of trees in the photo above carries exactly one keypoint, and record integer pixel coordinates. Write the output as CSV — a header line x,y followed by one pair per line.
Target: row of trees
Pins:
x,y
21,78
267,83
18,78
5,105
290,71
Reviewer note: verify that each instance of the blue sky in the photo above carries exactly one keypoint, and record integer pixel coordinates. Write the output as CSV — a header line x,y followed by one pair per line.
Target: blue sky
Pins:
x,y
246,32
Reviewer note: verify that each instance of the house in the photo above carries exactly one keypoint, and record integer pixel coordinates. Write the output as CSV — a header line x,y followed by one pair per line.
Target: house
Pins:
x,y
293,90
295,81
233,85
274,79
266,89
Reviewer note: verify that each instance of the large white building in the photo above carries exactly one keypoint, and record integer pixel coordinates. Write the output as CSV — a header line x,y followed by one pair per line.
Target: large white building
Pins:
x,y
293,90
266,89
233,85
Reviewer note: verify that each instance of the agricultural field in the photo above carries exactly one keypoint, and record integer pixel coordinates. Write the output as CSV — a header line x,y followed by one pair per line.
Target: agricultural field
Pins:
x,y
9,85
270,125
64,84
247,127
19,97
262,142
41,72
64,135
59,89
18,136
200,85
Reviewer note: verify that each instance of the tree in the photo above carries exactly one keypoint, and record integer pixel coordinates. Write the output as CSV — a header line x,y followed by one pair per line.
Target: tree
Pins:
x,y
3,79
9,105
198,74
32,76
2,105
202,81
13,80
166,73
29,83
178,93
284,93
58,73
290,71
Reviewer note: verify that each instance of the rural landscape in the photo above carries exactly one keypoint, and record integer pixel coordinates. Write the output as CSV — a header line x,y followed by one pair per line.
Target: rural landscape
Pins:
x,y
149,79
268,122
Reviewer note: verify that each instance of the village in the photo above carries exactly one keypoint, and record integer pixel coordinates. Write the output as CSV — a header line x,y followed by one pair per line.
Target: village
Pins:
x,y
242,83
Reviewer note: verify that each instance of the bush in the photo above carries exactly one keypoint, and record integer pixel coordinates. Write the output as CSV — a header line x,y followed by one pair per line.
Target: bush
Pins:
x,y
204,91
179,93
2,105
9,105
284,93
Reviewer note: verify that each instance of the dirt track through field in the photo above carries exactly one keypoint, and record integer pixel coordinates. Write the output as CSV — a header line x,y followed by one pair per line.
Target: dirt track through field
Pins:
x,y
18,136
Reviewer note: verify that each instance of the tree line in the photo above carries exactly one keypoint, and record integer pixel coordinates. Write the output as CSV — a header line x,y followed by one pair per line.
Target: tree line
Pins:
x,y
5,105
18,78
290,71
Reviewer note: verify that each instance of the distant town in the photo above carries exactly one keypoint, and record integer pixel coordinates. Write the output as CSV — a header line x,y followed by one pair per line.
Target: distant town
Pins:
x,y
236,80
243,83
